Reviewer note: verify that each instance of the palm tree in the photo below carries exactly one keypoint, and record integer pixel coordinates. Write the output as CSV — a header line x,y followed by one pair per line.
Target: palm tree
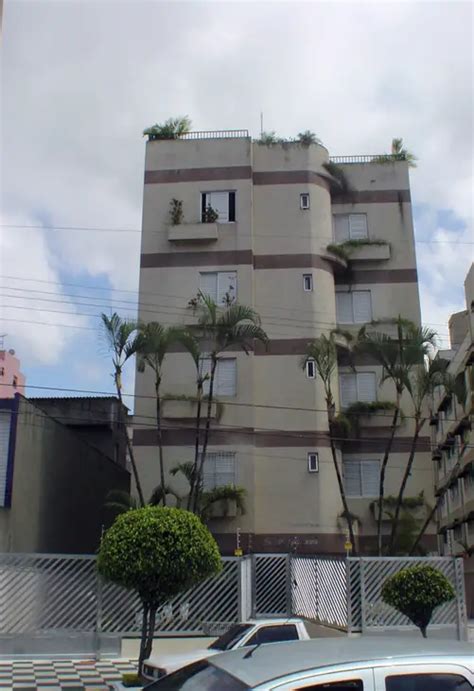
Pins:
x,y
154,345
221,328
173,128
123,342
397,357
420,385
307,138
322,351
402,154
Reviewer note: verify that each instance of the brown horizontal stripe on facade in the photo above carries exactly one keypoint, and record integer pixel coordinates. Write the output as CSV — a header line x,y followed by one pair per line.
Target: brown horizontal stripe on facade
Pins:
x,y
372,197
377,276
291,261
153,177
208,258
289,177
292,346
246,436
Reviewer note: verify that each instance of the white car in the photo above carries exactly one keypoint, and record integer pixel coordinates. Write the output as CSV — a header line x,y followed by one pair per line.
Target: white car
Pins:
x,y
251,632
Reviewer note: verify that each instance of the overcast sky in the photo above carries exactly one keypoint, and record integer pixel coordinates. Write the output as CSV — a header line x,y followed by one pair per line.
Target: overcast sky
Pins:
x,y
82,79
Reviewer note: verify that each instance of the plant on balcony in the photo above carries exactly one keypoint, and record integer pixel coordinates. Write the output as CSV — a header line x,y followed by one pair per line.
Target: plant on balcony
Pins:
x,y
339,183
416,592
176,212
343,250
270,138
158,552
307,138
209,215
399,153
173,128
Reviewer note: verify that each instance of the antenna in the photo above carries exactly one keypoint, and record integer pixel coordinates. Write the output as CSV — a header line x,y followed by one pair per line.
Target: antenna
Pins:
x,y
261,123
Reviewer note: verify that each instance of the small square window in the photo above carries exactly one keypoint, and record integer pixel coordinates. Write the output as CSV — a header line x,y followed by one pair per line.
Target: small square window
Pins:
x,y
307,283
304,200
310,369
313,462
2,371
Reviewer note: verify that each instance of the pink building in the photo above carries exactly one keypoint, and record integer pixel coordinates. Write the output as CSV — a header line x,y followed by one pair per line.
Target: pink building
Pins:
x,y
12,381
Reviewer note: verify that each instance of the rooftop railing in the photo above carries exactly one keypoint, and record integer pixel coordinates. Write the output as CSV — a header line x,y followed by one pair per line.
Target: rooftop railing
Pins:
x,y
216,134
364,159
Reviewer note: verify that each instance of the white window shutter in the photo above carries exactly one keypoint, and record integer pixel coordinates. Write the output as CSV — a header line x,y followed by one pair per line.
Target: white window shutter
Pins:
x,y
362,307
209,471
341,228
352,478
220,203
357,226
348,387
370,471
208,284
225,469
5,422
226,283
366,387
344,308
226,377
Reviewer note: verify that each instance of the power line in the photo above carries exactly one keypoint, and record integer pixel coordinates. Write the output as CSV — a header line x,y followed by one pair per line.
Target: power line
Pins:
x,y
135,230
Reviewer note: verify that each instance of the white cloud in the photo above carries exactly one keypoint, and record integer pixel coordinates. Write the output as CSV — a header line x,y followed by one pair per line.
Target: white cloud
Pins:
x,y
82,80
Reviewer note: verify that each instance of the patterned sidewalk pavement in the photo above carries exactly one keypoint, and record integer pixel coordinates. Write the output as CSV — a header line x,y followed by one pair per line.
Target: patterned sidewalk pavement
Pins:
x,y
63,674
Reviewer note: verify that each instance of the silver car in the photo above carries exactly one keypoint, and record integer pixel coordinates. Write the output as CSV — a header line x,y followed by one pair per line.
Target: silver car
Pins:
x,y
370,663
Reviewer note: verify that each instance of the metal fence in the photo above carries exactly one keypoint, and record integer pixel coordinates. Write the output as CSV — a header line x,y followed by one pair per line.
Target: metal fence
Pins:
x,y
60,601
364,158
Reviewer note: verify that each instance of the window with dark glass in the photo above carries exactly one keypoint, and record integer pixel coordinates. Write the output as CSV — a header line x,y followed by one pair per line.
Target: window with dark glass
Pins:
x,y
427,682
274,634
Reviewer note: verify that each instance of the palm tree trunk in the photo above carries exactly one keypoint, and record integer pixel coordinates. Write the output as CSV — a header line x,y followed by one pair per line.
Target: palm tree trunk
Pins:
x,y
160,440
128,442
418,427
196,442
426,524
197,484
388,448
343,494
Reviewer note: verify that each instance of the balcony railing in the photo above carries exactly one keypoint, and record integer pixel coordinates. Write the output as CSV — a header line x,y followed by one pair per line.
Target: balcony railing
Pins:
x,y
216,134
363,159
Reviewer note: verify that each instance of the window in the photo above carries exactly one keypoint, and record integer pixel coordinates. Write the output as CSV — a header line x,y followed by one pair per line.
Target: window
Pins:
x,y
423,682
354,307
361,477
15,381
307,283
221,286
350,227
274,634
454,495
2,371
222,202
469,480
225,380
310,369
219,469
199,675
230,637
313,462
360,386
304,200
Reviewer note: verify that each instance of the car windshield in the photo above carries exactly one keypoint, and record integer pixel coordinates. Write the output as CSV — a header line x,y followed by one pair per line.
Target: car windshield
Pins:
x,y
230,637
200,676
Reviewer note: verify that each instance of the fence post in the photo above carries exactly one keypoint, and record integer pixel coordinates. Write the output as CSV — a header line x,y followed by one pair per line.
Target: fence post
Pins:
x,y
289,586
362,594
348,594
460,598
98,619
253,581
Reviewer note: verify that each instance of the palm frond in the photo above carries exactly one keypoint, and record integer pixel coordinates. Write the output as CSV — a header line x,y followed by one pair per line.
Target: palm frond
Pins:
x,y
236,313
120,501
226,494
186,469
242,335
191,343
159,493
206,310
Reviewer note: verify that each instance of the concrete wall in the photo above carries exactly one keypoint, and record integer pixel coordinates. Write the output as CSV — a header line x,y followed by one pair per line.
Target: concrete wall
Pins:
x,y
277,415
59,488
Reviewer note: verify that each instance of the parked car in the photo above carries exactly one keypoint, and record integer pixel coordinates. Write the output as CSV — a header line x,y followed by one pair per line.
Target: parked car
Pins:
x,y
251,632
369,663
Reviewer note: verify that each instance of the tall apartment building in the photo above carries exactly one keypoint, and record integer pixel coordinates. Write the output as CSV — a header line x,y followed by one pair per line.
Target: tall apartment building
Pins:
x,y
12,381
279,209
453,442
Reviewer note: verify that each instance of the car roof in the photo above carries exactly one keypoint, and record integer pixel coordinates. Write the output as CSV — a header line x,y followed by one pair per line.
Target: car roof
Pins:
x,y
269,662
274,620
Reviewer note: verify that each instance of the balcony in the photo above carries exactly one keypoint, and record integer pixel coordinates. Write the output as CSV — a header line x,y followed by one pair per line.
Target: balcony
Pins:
x,y
360,250
193,232
374,253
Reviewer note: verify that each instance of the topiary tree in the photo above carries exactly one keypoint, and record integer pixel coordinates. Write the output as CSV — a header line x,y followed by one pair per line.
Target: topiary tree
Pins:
x,y
416,592
158,552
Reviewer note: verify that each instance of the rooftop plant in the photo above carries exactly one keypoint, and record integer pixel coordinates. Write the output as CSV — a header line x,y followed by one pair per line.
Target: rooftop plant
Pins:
x,y
173,128
399,153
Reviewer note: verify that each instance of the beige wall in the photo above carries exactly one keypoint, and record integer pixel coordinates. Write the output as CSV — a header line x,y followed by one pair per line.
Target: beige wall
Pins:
x,y
59,488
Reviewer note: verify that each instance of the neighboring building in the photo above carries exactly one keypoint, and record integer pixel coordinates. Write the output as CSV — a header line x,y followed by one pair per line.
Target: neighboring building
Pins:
x,y
278,212
12,381
453,442
53,483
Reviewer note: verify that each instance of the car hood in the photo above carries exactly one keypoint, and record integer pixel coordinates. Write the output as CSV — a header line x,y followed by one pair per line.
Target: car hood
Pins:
x,y
172,662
